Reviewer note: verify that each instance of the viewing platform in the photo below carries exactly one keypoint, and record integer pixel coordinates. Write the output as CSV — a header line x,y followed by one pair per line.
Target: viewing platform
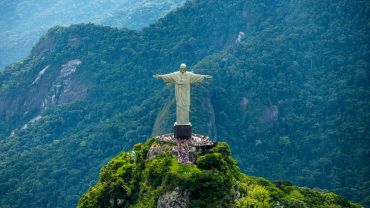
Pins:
x,y
185,150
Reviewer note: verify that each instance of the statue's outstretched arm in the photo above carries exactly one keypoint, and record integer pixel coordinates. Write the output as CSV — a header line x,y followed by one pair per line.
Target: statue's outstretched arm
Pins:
x,y
168,78
198,78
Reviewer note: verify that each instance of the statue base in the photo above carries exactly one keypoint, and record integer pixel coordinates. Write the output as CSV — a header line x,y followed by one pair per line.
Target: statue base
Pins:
x,y
183,135
182,131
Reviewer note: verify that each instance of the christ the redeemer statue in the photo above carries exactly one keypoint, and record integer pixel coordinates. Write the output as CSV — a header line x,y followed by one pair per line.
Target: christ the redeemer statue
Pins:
x,y
182,80
182,128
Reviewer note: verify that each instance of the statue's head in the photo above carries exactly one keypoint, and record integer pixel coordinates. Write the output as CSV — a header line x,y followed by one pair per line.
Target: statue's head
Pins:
x,y
183,68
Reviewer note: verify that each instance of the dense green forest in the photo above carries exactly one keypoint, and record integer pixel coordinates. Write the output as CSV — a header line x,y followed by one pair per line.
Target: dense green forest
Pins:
x,y
23,22
214,180
290,94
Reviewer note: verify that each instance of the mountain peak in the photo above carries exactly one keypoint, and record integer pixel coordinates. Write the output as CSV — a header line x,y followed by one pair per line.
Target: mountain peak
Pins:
x,y
139,178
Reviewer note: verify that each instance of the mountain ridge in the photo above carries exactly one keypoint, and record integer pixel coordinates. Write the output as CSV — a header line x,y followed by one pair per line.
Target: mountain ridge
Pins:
x,y
289,108
22,22
63,125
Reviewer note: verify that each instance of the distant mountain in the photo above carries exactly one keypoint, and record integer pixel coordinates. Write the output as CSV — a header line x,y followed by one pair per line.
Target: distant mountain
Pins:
x,y
140,178
290,94
23,22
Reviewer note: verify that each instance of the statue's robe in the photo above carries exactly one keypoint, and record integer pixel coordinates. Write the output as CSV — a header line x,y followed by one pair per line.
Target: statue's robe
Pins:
x,y
182,83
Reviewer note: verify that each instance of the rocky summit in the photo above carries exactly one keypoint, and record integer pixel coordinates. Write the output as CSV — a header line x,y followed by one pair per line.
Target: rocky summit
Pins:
x,y
150,176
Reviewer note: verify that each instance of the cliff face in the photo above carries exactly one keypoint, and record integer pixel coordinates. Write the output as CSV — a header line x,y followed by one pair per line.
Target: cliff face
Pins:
x,y
132,179
53,85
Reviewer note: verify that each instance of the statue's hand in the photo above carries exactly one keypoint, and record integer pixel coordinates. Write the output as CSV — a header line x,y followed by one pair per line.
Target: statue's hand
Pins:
x,y
156,76
208,76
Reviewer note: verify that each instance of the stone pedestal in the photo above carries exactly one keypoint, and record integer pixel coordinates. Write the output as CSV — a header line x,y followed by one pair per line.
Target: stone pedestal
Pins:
x,y
182,131
183,134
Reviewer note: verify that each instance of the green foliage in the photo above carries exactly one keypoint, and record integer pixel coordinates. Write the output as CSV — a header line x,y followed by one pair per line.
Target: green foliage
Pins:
x,y
73,138
20,28
208,186
256,196
291,98
211,161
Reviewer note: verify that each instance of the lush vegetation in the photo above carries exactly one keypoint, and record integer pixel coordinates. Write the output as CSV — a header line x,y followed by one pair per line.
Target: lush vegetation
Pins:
x,y
63,151
23,22
213,181
291,98
302,93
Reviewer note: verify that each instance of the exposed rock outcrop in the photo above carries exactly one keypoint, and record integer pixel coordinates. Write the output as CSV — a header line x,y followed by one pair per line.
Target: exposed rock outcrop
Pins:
x,y
174,199
65,89
41,73
52,85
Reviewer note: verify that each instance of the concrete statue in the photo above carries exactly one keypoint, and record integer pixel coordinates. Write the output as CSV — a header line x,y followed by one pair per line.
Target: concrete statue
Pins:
x,y
182,80
182,128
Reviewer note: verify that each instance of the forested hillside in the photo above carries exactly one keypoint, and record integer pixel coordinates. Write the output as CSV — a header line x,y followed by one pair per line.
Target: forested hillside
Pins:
x,y
300,98
290,94
23,22
132,179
